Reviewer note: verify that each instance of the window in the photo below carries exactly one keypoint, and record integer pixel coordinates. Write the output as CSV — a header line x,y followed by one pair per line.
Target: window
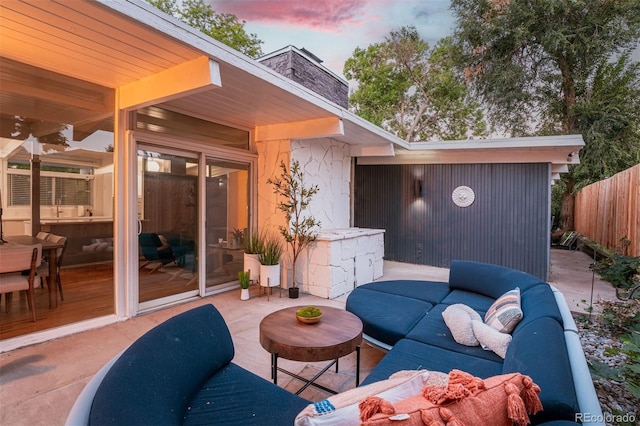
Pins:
x,y
71,191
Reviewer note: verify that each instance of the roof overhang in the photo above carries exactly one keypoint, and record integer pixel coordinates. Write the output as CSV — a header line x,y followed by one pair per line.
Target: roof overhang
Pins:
x,y
559,151
153,58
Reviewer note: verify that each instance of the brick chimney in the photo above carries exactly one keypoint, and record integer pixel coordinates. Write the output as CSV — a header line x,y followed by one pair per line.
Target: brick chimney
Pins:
x,y
305,68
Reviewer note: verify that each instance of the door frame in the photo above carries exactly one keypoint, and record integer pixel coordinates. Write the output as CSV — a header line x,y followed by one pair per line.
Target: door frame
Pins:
x,y
203,151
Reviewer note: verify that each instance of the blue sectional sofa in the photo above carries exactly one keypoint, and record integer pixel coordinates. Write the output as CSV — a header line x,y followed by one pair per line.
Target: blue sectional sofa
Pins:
x,y
181,372
405,317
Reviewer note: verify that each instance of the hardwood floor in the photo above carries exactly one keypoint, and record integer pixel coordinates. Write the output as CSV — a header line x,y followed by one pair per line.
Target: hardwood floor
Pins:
x,y
89,293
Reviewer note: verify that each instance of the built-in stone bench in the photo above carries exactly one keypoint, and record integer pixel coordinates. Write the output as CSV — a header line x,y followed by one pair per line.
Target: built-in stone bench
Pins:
x,y
340,260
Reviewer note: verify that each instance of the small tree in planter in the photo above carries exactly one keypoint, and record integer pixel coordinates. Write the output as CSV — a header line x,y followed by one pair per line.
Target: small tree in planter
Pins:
x,y
301,229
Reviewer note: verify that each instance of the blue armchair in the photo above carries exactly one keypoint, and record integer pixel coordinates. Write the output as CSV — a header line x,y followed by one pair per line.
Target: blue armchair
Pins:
x,y
155,251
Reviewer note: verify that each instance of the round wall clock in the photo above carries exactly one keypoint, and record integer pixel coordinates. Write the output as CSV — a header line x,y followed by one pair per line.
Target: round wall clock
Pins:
x,y
463,196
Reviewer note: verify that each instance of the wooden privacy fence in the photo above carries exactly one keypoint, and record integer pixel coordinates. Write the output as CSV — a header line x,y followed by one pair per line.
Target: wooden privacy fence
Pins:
x,y
608,210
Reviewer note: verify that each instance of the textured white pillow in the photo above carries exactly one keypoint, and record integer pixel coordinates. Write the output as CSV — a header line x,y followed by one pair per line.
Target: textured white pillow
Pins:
x,y
505,313
342,409
491,338
458,318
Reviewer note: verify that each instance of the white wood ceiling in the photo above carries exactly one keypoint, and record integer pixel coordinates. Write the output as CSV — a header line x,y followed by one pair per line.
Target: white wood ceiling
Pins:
x,y
89,41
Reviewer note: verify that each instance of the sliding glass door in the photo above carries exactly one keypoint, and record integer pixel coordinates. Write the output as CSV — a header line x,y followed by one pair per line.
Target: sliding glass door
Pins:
x,y
168,225
227,220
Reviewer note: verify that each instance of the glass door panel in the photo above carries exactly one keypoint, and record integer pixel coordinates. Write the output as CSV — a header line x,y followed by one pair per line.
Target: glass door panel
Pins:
x,y
168,231
227,220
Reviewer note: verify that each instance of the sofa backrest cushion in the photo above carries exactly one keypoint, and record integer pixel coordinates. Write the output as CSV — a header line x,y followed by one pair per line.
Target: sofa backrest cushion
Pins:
x,y
489,280
156,377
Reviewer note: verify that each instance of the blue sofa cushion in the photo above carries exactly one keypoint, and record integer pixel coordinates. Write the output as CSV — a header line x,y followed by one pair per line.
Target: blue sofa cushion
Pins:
x,y
538,349
235,396
410,354
427,291
380,313
156,377
433,330
490,280
475,301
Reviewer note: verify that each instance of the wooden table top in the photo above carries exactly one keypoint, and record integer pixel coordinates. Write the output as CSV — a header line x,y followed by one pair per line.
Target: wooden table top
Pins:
x,y
28,240
337,334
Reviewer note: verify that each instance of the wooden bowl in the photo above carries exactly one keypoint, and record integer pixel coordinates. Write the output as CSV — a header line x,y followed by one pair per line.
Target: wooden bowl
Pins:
x,y
309,320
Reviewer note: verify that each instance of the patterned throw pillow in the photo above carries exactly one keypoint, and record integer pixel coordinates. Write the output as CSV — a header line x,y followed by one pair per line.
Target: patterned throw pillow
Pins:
x,y
505,313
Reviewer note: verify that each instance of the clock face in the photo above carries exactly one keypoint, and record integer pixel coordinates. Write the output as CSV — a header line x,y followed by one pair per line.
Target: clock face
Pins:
x,y
463,196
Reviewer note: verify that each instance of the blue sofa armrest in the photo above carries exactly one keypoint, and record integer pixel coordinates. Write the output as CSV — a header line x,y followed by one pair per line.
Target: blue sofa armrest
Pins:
x,y
154,380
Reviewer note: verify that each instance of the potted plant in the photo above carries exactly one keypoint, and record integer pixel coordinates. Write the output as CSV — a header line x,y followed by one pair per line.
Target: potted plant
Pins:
x,y
243,277
237,238
270,262
253,246
295,198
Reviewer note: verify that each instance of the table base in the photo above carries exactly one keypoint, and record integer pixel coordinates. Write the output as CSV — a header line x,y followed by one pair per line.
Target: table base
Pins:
x,y
311,382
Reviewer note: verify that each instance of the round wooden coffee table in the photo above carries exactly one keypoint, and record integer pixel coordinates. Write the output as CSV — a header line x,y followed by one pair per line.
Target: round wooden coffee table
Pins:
x,y
338,333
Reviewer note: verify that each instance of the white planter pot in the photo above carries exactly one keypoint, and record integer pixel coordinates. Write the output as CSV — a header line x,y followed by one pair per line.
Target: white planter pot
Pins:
x,y
244,294
252,264
269,275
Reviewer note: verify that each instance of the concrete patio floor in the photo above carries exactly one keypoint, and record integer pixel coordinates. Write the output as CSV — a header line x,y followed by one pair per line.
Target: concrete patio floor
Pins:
x,y
40,383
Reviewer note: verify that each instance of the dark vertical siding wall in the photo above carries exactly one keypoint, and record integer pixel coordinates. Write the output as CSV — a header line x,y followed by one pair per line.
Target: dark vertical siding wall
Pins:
x,y
508,224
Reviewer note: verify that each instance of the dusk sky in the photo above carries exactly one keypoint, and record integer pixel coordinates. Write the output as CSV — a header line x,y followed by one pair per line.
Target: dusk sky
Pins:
x,y
332,29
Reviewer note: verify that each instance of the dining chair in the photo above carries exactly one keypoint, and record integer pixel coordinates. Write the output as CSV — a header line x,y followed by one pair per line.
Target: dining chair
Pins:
x,y
43,269
13,261
42,235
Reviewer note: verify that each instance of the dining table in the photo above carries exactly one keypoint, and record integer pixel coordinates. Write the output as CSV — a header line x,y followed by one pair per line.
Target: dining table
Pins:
x,y
48,247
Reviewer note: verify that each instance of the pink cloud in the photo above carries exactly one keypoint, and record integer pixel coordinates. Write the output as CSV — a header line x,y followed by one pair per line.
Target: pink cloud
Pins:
x,y
317,14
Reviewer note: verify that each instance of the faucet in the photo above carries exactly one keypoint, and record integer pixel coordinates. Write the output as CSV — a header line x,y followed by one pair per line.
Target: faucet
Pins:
x,y
58,204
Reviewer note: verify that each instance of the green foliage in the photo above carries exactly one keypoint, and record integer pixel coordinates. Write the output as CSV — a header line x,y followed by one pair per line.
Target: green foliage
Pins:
x,y
272,251
295,197
254,243
411,90
544,67
220,26
243,277
621,271
622,320
619,317
608,116
309,312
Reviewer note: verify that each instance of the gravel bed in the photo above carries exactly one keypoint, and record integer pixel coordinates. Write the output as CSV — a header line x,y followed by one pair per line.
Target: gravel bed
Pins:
x,y
614,399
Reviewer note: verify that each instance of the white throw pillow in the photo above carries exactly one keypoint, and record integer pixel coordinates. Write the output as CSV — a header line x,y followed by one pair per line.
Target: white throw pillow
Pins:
x,y
505,313
491,338
458,318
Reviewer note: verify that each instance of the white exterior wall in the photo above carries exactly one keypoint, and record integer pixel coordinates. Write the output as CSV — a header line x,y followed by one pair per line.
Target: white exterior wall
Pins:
x,y
326,163
340,260
342,257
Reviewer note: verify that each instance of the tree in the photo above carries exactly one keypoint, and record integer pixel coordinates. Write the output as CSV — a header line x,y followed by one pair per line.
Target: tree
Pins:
x,y
223,27
538,67
295,198
412,91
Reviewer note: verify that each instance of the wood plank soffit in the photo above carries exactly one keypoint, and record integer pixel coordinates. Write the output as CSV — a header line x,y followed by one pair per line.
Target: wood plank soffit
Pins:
x,y
188,78
317,128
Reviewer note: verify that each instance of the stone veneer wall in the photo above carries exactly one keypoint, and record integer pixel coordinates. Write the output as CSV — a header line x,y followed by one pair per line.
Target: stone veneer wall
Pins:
x,y
342,257
340,260
311,75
